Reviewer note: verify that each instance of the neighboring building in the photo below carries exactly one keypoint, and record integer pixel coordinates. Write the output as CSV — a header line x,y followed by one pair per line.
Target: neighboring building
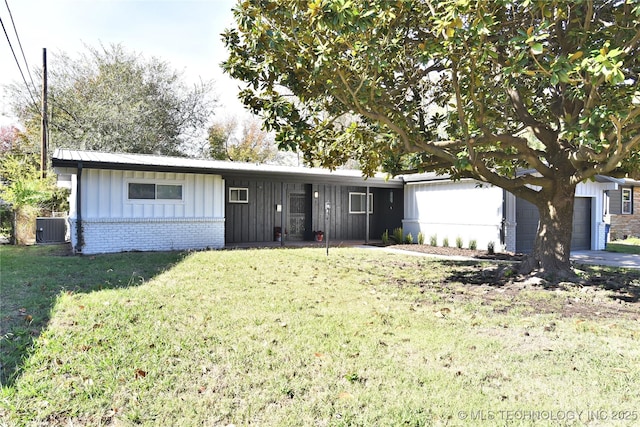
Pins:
x,y
470,210
133,202
623,205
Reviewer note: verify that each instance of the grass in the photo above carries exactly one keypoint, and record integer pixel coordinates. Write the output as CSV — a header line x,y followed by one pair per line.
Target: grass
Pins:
x,y
293,337
628,246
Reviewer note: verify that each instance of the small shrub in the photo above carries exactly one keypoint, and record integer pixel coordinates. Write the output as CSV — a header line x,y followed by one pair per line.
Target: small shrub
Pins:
x,y
420,238
473,244
398,235
459,242
385,237
408,239
491,248
445,242
433,240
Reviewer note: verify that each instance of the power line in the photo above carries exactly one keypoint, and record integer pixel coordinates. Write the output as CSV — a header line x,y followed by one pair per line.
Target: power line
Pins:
x,y
18,63
15,30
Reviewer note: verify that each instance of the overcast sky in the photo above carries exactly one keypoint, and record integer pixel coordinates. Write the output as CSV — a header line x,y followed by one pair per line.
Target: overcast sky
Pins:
x,y
185,33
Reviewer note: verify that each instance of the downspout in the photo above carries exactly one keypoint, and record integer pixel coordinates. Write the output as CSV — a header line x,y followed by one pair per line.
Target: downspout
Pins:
x,y
503,222
282,231
79,225
367,209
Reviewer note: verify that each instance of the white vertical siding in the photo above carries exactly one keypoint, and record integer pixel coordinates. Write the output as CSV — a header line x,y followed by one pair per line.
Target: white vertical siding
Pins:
x,y
112,223
104,195
451,209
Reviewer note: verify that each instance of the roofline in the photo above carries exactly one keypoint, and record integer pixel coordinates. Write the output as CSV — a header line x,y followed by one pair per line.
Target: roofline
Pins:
x,y
232,170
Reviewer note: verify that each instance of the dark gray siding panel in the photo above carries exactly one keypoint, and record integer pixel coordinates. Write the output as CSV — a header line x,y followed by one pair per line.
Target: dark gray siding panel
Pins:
x,y
527,218
581,234
527,225
255,221
388,211
615,201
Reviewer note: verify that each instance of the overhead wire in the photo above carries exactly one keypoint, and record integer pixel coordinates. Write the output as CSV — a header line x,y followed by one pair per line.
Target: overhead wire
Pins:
x,y
15,30
15,57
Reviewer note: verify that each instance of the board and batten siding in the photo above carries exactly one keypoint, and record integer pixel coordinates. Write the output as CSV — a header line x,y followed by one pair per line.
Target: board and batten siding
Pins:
x,y
112,223
255,221
451,210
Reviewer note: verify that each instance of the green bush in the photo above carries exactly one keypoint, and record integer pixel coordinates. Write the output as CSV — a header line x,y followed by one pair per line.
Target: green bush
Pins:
x,y
408,239
433,240
459,242
385,237
473,244
445,242
398,235
420,238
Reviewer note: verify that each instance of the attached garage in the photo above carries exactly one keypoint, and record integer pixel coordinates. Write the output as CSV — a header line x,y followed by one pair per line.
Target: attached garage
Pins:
x,y
527,225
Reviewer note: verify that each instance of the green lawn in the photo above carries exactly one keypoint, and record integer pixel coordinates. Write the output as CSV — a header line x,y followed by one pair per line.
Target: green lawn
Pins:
x,y
628,246
293,337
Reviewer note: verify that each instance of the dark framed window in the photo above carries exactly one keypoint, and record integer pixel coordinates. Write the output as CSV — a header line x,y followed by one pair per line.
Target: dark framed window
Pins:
x,y
238,195
358,203
627,201
145,191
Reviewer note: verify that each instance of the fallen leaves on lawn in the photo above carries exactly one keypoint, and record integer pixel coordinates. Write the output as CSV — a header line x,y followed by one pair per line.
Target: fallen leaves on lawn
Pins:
x,y
443,312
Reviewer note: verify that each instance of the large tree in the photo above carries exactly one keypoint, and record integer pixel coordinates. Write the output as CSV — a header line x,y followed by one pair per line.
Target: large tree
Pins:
x,y
533,96
249,143
113,100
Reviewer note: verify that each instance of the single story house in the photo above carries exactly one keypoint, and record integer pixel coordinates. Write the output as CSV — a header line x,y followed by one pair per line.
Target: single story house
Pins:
x,y
133,202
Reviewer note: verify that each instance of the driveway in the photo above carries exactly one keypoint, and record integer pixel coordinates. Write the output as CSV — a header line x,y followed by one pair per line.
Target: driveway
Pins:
x,y
610,259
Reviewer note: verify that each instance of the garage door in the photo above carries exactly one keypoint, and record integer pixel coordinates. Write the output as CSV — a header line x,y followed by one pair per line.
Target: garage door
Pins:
x,y
527,225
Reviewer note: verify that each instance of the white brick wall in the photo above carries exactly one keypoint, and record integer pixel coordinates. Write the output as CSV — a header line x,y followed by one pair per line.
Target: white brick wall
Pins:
x,y
109,235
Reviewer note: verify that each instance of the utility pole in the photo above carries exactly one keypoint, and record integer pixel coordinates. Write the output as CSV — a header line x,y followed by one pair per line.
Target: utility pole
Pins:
x,y
43,113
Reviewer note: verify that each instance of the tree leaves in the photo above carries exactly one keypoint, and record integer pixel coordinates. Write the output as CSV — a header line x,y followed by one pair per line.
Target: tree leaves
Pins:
x,y
471,89
114,100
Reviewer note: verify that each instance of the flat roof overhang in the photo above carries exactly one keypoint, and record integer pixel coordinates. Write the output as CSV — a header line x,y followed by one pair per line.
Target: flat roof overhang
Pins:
x,y
68,161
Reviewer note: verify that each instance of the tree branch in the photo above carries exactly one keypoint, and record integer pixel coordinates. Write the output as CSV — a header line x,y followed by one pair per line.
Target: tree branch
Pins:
x,y
547,136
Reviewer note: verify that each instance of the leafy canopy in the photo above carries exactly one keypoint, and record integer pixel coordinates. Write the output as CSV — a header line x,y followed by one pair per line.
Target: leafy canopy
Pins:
x,y
22,186
110,99
247,144
470,88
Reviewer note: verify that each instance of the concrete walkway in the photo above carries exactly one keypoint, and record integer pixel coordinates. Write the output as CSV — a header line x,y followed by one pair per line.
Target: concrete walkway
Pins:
x,y
609,259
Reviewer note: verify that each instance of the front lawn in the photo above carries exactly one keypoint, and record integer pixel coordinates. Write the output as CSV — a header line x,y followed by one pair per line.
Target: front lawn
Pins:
x,y
293,337
628,246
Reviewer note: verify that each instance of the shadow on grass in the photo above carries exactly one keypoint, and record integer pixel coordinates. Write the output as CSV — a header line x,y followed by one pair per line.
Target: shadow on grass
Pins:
x,y
33,277
624,284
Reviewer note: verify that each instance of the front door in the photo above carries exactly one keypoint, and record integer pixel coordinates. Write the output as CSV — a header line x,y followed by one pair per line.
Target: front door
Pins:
x,y
297,216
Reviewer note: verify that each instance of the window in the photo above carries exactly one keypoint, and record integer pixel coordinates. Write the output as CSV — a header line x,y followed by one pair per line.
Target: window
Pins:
x,y
143,191
627,201
358,203
238,195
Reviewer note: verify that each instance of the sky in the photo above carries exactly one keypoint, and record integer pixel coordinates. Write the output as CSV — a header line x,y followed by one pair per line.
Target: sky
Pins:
x,y
184,33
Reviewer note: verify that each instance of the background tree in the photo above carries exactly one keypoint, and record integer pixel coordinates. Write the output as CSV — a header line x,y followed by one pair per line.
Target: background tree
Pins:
x,y
531,96
248,143
112,100
26,194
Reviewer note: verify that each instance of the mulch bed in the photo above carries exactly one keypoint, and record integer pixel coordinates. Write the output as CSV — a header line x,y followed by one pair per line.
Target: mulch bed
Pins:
x,y
454,251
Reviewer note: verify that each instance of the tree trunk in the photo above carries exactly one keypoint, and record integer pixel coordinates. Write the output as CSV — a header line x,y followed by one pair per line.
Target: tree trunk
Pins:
x,y
552,247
